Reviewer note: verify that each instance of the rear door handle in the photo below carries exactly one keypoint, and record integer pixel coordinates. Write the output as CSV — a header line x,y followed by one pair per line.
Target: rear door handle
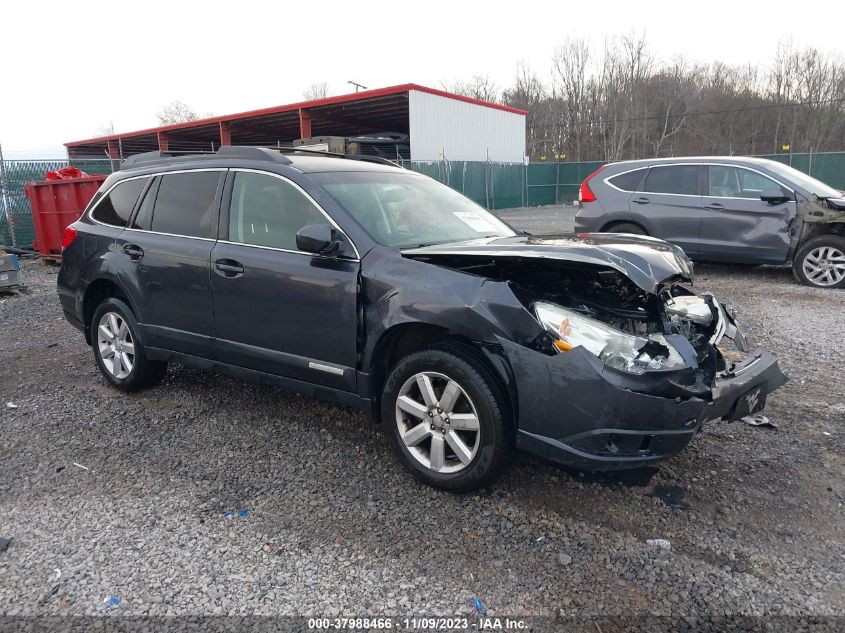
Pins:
x,y
134,251
229,268
641,200
715,206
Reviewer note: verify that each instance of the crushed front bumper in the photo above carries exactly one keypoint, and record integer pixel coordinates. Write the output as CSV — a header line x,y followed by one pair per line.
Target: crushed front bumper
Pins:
x,y
571,413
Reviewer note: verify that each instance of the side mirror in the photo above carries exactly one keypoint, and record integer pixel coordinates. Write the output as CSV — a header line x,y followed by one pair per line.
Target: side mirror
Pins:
x,y
774,196
322,239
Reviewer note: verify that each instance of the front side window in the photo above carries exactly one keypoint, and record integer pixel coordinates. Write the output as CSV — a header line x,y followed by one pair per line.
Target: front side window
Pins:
x,y
185,204
674,179
116,207
269,211
409,210
725,181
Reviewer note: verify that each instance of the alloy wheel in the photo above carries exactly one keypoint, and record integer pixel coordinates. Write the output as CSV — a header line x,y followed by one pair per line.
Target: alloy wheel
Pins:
x,y
438,422
115,344
824,266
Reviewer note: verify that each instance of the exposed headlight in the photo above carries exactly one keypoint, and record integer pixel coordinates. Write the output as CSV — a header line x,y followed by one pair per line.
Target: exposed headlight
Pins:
x,y
633,354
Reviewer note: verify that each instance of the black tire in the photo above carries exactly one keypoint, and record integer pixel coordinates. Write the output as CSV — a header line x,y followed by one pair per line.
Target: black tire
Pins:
x,y
495,441
804,260
144,372
625,227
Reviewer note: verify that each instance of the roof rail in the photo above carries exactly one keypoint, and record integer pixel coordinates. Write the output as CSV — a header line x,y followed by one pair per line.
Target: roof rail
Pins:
x,y
274,154
227,151
136,160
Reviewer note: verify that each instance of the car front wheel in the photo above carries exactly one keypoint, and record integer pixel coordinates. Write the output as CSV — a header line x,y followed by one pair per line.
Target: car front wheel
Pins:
x,y
118,351
447,419
821,262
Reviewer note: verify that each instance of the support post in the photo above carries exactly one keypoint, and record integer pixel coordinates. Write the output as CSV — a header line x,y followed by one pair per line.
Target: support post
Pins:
x,y
7,211
304,123
113,149
225,133
163,142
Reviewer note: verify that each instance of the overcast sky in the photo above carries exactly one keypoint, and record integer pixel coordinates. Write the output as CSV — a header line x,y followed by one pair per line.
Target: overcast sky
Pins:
x,y
70,68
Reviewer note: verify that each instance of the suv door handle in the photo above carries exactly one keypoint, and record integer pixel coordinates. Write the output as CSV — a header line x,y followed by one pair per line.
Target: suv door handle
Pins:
x,y
134,251
715,206
641,200
229,268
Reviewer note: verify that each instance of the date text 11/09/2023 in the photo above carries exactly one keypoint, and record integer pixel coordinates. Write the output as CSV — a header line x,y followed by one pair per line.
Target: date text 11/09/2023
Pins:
x,y
418,624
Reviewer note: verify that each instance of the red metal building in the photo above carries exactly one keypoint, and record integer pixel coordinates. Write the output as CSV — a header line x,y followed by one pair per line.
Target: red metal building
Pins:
x,y
439,124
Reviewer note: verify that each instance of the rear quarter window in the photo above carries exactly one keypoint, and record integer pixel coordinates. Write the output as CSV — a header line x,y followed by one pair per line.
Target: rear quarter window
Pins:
x,y
116,207
629,181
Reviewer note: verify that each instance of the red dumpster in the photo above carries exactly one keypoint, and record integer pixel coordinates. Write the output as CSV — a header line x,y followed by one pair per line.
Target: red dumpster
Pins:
x,y
55,204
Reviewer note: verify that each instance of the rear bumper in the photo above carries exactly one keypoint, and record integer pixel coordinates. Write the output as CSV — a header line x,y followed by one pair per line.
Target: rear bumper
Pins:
x,y
570,413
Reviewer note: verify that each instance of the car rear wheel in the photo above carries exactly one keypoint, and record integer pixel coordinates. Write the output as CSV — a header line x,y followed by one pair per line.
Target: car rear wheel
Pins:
x,y
821,262
447,419
118,351
626,227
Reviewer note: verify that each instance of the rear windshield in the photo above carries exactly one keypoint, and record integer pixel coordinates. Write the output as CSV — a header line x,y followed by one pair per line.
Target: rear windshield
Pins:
x,y
409,210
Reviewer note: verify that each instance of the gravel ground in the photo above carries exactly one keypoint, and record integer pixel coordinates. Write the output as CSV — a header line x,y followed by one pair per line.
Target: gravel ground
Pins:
x,y
141,496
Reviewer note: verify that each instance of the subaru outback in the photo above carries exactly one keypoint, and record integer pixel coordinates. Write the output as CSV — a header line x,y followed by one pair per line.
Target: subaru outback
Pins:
x,y
382,289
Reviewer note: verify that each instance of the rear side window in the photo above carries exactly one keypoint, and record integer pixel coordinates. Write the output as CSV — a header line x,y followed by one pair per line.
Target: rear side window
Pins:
x,y
116,207
629,181
268,211
185,204
677,179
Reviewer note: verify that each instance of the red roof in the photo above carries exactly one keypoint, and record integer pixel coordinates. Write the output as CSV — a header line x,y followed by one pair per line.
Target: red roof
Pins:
x,y
295,107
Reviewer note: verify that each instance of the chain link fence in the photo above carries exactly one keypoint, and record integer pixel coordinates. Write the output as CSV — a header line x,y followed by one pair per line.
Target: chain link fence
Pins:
x,y
492,185
16,226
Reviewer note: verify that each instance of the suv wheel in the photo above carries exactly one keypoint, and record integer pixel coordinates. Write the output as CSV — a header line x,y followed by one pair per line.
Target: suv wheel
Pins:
x,y
118,351
447,419
626,227
821,262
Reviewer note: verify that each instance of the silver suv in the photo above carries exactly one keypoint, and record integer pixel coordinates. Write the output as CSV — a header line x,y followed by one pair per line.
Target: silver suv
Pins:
x,y
728,209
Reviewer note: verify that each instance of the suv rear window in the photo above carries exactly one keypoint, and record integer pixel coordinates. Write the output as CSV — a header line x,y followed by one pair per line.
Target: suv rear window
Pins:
x,y
116,207
677,179
629,181
185,204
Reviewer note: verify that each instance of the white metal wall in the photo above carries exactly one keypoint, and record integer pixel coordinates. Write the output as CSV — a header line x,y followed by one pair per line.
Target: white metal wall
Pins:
x,y
463,131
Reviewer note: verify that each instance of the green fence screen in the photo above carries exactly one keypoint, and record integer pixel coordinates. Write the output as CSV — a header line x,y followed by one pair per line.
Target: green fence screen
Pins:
x,y
492,185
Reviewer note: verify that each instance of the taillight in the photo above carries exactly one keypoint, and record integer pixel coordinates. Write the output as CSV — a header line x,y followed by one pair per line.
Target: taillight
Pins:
x,y
585,194
68,237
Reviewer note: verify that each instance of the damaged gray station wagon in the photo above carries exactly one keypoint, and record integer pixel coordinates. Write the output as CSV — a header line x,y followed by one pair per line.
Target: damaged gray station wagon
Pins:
x,y
382,289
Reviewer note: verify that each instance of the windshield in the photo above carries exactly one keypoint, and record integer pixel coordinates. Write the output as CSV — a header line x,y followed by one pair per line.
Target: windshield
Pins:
x,y
814,186
410,210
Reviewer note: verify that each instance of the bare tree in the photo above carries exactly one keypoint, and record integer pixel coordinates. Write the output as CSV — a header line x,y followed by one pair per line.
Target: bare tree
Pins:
x,y
529,93
618,102
105,130
569,90
675,95
317,90
479,87
176,112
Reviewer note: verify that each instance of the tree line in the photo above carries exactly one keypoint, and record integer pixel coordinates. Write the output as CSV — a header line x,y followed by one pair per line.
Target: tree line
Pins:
x,y
619,101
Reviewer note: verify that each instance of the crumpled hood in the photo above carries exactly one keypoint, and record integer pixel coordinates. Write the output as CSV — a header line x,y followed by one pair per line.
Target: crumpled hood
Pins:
x,y
647,261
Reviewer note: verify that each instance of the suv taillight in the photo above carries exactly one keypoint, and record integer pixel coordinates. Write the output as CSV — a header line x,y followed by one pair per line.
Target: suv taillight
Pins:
x,y
68,237
585,194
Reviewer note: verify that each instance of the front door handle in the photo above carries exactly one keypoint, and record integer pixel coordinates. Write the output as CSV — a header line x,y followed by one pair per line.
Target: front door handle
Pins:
x,y
229,268
715,206
641,200
134,251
